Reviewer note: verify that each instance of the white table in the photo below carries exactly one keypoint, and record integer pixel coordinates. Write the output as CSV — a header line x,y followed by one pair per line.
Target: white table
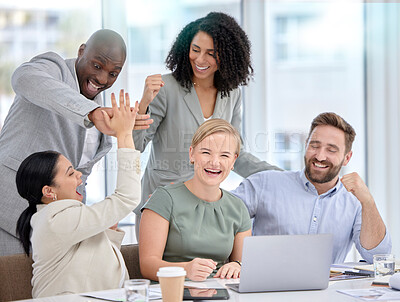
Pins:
x,y
328,295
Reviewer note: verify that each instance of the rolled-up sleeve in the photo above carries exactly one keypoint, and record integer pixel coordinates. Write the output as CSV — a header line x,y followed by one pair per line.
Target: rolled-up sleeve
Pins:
x,y
384,247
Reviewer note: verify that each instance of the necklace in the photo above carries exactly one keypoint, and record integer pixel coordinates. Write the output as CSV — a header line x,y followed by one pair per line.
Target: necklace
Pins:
x,y
198,85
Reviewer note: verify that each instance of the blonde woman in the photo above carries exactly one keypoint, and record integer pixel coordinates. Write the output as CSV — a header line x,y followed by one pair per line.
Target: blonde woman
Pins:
x,y
196,224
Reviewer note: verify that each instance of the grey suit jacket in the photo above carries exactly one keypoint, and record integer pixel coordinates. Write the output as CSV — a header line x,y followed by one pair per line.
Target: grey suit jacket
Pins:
x,y
47,114
177,114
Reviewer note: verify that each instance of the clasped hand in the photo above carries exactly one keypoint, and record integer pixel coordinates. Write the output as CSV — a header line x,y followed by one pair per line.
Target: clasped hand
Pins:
x,y
123,120
152,86
199,269
97,116
354,184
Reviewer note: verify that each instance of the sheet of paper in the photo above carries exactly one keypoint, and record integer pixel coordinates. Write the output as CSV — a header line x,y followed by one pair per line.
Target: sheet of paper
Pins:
x,y
348,264
209,283
373,294
119,294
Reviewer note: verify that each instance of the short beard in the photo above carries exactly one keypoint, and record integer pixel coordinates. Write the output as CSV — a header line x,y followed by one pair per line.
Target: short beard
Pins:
x,y
332,172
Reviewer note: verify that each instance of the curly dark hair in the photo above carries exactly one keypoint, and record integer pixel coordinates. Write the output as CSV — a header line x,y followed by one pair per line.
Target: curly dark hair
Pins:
x,y
231,46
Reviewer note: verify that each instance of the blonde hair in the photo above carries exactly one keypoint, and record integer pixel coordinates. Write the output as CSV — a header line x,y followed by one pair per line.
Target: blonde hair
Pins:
x,y
213,126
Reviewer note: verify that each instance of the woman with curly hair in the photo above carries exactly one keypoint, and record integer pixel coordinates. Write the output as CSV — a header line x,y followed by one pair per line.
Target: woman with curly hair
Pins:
x,y
209,60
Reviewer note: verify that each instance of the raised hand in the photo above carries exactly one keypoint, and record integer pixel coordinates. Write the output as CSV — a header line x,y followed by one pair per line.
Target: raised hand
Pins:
x,y
152,86
354,184
123,120
373,228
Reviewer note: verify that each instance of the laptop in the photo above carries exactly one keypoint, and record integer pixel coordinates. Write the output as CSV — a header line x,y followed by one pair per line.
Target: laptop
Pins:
x,y
284,263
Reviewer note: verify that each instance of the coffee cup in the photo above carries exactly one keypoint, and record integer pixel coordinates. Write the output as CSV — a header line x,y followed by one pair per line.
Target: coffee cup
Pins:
x,y
171,282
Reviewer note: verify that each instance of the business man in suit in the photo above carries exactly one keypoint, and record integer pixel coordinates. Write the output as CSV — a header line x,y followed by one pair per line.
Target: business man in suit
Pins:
x,y
57,103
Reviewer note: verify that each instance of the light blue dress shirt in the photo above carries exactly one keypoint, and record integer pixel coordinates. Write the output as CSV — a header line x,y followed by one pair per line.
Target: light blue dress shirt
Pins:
x,y
284,203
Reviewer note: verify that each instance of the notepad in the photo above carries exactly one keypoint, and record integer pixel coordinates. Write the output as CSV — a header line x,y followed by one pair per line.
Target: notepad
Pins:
x,y
372,294
118,295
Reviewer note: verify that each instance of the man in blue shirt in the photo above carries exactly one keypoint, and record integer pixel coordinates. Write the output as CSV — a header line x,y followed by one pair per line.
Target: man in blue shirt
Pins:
x,y
314,200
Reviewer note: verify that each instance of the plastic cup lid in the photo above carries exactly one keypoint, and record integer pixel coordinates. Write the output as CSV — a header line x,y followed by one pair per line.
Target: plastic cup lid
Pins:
x,y
171,271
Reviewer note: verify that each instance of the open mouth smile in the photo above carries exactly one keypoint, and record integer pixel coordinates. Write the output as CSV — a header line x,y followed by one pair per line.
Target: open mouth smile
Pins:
x,y
212,171
320,165
92,87
201,68
77,189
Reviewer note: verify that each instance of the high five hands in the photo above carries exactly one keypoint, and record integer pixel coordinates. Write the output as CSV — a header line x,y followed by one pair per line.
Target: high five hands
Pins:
x,y
123,120
142,121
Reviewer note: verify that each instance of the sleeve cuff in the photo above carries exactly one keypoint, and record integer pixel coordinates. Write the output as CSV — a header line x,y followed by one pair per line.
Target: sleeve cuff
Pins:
x,y
87,122
384,247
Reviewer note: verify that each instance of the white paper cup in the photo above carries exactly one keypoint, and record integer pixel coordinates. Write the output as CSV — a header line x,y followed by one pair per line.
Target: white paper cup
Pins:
x,y
171,282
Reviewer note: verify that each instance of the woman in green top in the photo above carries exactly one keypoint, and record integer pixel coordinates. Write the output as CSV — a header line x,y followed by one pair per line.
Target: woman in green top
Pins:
x,y
195,224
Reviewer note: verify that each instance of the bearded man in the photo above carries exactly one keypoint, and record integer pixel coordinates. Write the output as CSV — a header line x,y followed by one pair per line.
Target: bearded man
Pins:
x,y
315,200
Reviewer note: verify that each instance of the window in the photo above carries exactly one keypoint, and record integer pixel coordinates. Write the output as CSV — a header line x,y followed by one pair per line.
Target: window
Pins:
x,y
30,28
306,62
